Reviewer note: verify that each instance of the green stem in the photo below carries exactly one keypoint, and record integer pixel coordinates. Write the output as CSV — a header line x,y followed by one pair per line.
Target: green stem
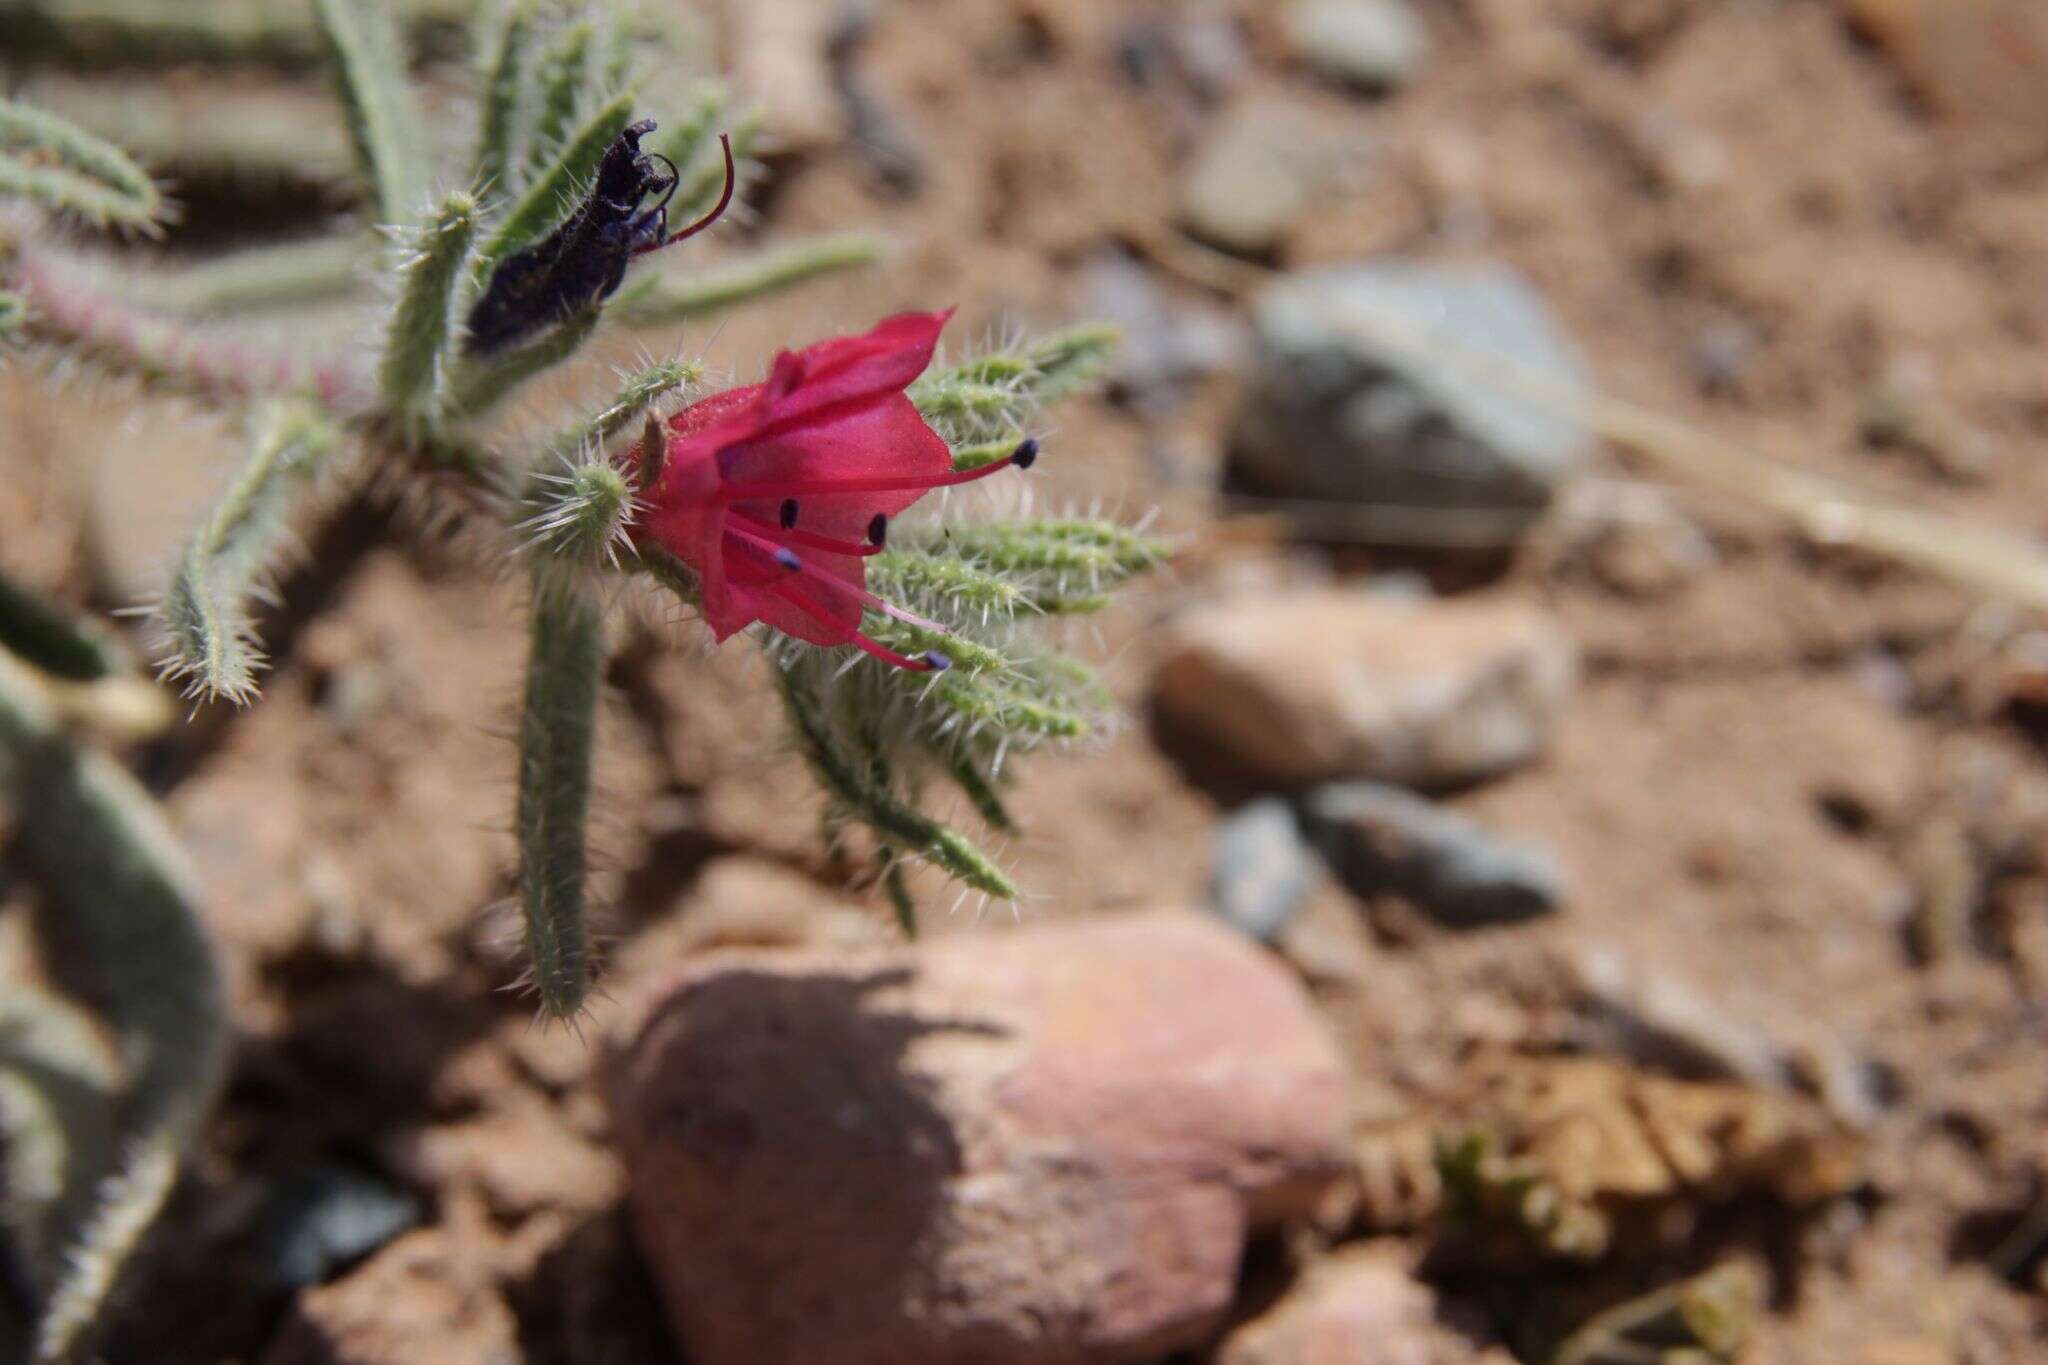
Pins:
x,y
557,737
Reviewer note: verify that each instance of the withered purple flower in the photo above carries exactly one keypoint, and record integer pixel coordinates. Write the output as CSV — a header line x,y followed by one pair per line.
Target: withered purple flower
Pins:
x,y
582,262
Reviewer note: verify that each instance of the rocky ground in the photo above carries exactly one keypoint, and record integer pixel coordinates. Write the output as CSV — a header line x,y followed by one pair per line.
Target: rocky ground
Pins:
x,y
1537,911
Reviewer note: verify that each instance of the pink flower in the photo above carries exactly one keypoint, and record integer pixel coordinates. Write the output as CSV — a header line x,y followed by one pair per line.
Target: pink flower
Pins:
x,y
776,494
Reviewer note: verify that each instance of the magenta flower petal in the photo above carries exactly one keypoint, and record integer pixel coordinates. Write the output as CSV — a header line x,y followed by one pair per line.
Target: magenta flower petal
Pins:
x,y
777,493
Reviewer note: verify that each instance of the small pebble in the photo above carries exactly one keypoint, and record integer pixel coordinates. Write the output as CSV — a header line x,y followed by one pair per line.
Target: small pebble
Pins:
x,y
1263,869
1374,45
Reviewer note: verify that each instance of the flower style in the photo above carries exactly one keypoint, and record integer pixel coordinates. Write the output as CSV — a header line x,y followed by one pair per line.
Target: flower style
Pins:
x,y
776,494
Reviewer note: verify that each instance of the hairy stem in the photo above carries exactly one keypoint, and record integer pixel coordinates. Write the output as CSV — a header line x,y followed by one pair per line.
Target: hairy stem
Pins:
x,y
557,735
73,300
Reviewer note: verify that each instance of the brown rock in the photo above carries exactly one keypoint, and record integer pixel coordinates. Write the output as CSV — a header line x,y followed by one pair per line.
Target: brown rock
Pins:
x,y
413,1301
1323,684
1257,170
1985,61
1362,1306
1038,1146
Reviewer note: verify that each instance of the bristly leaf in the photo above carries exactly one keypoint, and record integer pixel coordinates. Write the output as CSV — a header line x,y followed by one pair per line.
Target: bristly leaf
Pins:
x,y
205,610
80,299
557,736
1051,566
255,279
993,396
369,66
421,334
163,33
58,164
640,392
505,38
654,299
1058,565
898,824
966,766
561,77
123,902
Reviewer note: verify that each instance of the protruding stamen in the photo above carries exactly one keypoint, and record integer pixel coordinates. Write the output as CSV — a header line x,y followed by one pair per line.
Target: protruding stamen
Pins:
x,y
859,640
787,558
1026,453
878,530
937,662
788,514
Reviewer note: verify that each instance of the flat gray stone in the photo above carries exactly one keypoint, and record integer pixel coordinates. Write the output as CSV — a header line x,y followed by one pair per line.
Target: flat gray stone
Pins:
x,y
1347,402
1382,839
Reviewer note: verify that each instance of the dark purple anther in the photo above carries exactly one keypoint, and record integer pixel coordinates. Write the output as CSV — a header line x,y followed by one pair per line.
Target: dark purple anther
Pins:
x,y
786,557
878,530
1026,453
937,662
788,517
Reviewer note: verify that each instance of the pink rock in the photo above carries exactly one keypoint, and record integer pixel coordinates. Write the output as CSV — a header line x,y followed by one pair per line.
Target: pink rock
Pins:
x,y
1360,1307
1037,1146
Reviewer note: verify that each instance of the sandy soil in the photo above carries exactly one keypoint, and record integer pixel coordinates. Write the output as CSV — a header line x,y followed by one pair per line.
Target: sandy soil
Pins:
x,y
1742,793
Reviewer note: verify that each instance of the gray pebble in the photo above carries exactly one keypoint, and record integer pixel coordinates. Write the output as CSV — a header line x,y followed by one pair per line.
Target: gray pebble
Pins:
x,y
1382,839
322,1219
1263,869
1368,387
